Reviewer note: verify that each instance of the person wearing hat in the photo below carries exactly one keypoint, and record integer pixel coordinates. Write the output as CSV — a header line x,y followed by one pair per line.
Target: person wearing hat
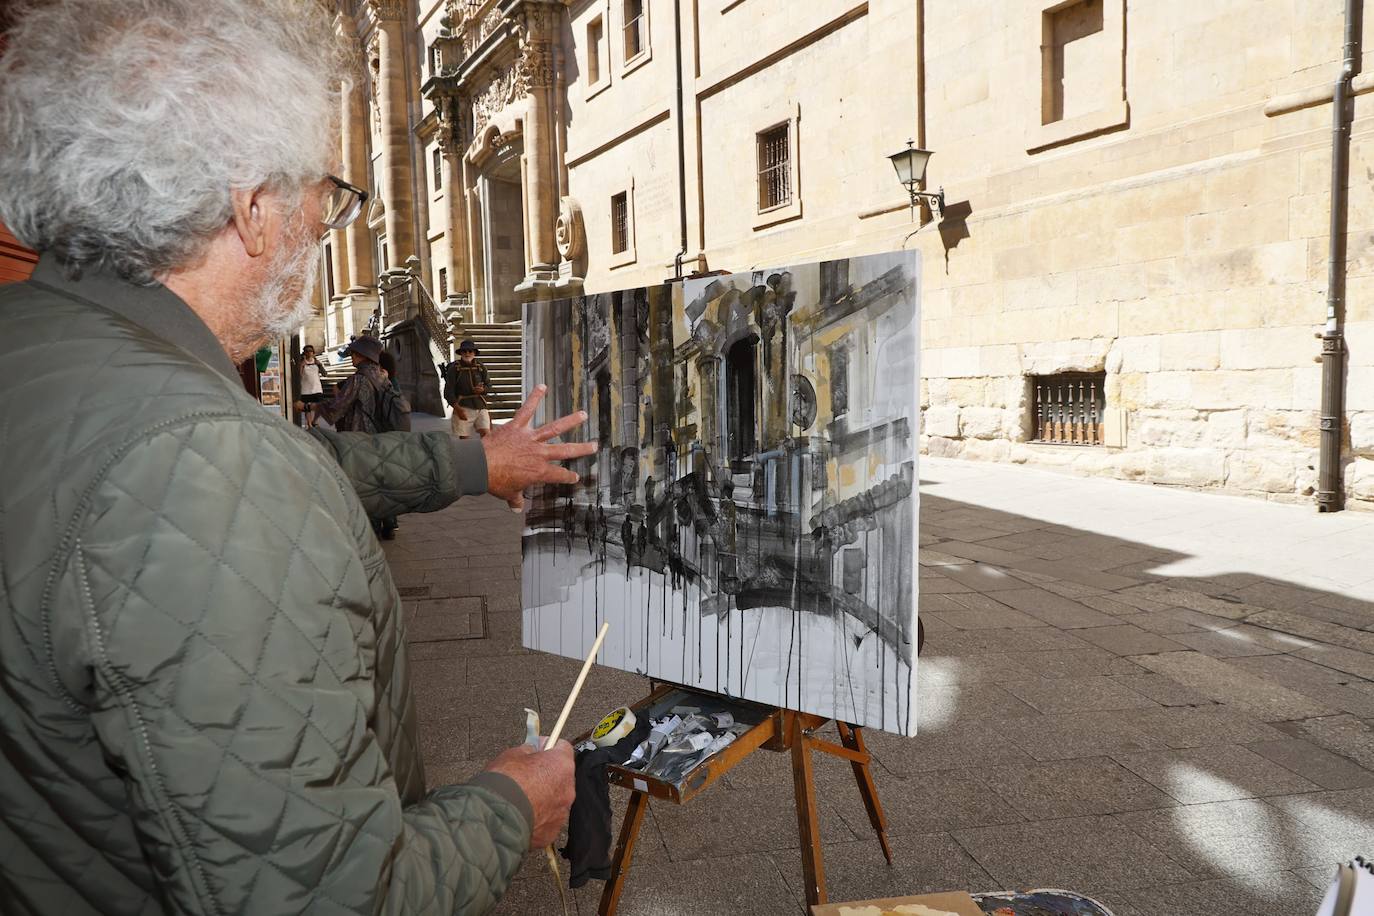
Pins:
x,y
354,408
465,390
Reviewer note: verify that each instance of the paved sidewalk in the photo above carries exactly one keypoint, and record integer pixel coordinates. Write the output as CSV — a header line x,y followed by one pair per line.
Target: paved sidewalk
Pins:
x,y
1161,698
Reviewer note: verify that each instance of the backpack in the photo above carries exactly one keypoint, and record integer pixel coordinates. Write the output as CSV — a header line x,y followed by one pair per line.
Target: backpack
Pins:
x,y
393,411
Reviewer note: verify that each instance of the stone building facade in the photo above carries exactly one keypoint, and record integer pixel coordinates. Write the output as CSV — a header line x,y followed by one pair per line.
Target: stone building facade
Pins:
x,y
1129,269
527,149
1138,201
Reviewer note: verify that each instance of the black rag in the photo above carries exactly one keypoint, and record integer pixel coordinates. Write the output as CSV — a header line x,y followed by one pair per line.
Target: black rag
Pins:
x,y
589,822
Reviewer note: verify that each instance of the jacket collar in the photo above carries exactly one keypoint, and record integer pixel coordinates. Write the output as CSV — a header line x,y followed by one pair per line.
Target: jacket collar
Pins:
x,y
154,308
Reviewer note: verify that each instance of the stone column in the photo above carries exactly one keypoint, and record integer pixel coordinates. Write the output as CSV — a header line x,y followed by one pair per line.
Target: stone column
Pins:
x,y
451,145
362,271
397,193
541,182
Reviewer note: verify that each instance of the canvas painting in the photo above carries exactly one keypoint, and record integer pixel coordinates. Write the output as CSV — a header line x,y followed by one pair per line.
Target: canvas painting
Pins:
x,y
748,525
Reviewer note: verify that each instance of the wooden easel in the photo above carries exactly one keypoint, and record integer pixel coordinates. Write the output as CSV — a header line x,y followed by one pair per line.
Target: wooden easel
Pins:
x,y
780,730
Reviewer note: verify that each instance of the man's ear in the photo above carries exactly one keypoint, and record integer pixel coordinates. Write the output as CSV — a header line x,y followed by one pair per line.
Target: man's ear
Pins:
x,y
252,212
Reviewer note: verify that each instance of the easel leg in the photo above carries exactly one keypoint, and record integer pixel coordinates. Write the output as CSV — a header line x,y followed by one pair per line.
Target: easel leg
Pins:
x,y
808,830
852,737
624,851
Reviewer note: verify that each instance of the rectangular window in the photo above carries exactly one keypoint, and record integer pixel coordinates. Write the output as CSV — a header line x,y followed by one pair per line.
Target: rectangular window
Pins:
x,y
775,167
329,270
1069,408
595,34
433,59
634,28
443,282
1077,61
620,223
438,165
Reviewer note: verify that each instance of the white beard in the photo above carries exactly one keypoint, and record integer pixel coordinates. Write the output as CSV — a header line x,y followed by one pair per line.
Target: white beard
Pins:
x,y
286,299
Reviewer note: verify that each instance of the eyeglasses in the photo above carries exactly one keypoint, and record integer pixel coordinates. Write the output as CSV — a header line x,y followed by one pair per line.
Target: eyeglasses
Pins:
x,y
343,204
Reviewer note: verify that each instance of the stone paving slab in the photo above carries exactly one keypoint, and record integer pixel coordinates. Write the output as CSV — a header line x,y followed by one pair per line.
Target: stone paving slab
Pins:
x,y
1124,691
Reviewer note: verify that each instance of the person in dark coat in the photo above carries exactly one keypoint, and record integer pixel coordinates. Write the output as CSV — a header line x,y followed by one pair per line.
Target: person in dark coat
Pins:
x,y
355,407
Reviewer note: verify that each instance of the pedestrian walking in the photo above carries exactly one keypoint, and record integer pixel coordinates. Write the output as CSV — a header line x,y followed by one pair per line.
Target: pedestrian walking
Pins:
x,y
465,389
207,695
357,407
386,526
312,384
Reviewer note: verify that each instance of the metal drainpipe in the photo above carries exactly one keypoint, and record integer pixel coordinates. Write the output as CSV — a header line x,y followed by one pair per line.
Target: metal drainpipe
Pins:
x,y
1330,490
681,147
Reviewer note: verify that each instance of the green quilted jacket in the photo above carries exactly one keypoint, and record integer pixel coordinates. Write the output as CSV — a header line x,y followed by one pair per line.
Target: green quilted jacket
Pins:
x,y
204,698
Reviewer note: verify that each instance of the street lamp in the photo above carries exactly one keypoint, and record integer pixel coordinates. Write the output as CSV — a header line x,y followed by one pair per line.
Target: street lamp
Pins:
x,y
910,164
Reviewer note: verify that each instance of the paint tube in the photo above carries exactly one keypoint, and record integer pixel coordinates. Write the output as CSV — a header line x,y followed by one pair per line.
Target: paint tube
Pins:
x,y
650,746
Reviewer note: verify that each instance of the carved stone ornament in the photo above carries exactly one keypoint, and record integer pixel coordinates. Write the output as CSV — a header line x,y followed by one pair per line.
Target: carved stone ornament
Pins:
x,y
569,232
374,80
505,87
488,24
388,10
536,61
450,133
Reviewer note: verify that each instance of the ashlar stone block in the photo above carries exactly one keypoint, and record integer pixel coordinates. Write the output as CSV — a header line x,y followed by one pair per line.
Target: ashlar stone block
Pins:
x,y
982,422
1187,467
1189,351
1265,472
1135,354
1065,356
1165,428
1361,478
1266,348
1273,430
942,422
1362,432
1226,428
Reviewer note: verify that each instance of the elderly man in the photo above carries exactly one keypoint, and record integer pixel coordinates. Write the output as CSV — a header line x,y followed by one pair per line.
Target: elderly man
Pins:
x,y
206,698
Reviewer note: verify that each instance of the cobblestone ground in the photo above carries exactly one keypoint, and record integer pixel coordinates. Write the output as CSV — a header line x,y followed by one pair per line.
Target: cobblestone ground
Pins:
x,y
1164,699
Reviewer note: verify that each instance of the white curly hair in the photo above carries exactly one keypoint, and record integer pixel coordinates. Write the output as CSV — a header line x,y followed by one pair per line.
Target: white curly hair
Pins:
x,y
125,124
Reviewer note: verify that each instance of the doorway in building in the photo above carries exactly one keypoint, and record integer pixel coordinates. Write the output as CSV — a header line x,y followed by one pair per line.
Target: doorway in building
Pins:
x,y
503,234
741,398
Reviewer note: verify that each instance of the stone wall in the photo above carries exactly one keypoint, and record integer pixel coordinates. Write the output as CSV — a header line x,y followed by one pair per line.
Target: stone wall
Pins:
x,y
1183,252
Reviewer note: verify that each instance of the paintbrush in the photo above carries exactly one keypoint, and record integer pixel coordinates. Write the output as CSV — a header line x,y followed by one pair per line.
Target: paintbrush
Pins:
x,y
553,738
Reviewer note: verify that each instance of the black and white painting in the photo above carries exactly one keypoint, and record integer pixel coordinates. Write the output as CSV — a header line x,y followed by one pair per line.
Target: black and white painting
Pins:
x,y
748,525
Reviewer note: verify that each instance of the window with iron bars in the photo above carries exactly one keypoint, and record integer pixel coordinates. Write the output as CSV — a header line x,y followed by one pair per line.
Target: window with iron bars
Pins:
x,y
634,28
775,167
1069,408
620,222
437,163
443,282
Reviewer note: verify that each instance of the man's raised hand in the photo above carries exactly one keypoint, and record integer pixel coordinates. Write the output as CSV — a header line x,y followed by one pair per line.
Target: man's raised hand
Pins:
x,y
519,457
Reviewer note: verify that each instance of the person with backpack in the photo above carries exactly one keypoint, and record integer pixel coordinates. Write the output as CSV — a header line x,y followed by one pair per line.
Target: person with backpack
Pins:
x,y
465,389
365,402
369,401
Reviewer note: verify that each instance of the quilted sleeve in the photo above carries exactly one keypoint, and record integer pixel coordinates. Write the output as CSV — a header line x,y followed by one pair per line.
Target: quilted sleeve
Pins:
x,y
395,473
220,584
